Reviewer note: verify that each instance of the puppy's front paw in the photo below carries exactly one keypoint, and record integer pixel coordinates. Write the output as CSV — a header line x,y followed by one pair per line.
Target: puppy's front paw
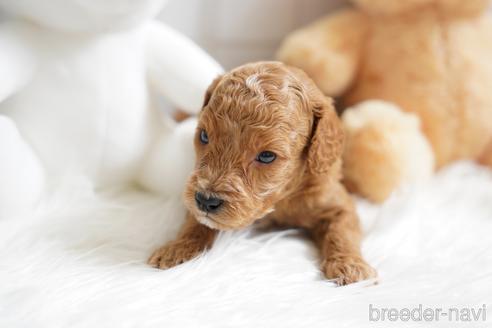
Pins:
x,y
347,269
175,253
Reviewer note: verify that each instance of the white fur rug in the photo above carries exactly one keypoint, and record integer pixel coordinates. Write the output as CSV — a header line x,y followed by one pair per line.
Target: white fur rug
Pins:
x,y
80,262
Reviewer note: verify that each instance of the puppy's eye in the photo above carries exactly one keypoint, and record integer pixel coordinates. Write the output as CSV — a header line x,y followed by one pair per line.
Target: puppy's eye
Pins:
x,y
203,137
266,157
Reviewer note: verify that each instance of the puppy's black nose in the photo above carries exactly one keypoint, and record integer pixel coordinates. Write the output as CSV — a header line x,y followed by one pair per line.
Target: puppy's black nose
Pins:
x,y
207,204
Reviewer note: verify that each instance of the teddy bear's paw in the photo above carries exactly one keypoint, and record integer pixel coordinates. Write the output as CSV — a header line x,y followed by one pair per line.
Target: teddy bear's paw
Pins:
x,y
175,253
347,269
392,139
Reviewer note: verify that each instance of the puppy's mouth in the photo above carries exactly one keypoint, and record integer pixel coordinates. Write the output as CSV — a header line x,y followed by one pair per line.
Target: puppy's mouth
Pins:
x,y
206,219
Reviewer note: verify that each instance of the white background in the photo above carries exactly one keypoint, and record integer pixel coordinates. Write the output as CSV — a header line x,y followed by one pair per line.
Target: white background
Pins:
x,y
238,31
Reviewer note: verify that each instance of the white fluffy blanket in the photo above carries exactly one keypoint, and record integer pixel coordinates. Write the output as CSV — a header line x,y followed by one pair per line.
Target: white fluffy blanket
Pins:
x,y
80,262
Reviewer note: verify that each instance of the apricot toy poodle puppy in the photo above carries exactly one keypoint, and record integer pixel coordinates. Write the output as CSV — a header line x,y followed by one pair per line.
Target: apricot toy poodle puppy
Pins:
x,y
268,147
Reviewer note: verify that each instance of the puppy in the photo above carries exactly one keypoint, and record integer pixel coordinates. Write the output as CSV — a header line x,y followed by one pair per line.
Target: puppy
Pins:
x,y
268,147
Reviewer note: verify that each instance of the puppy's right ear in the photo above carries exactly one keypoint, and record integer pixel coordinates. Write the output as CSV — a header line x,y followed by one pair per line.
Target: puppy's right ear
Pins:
x,y
211,89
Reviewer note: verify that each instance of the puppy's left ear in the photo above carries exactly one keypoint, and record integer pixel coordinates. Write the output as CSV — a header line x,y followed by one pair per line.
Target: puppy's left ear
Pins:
x,y
327,137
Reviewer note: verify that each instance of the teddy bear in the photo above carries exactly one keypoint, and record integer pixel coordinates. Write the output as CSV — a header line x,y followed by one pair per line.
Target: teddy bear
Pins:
x,y
414,81
80,88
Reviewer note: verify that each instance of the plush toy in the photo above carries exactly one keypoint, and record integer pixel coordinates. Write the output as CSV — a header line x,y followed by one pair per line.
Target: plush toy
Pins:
x,y
78,81
429,60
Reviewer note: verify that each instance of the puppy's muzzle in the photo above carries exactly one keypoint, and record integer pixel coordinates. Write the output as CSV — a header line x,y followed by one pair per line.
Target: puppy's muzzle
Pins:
x,y
208,204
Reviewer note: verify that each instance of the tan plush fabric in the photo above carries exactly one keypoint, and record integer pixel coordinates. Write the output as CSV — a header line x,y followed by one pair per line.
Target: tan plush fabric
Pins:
x,y
431,58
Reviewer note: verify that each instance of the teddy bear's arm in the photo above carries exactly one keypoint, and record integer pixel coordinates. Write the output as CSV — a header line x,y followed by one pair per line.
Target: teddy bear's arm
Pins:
x,y
16,62
178,68
328,50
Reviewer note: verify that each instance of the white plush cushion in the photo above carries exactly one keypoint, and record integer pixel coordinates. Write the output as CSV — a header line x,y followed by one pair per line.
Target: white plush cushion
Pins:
x,y
80,262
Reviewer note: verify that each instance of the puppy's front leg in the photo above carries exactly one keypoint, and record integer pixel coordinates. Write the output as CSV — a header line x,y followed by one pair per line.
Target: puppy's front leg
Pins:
x,y
192,240
338,236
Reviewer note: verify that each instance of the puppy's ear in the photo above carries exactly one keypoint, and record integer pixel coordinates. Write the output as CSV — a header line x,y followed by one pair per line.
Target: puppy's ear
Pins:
x,y
210,90
327,137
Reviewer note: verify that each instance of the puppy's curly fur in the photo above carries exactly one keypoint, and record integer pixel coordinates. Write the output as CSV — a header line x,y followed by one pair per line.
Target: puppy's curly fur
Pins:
x,y
268,106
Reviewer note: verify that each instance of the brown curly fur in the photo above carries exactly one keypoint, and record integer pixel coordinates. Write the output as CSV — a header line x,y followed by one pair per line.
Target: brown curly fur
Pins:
x,y
270,106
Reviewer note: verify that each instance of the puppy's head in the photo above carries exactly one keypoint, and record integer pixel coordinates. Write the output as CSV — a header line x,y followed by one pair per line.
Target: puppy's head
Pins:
x,y
263,128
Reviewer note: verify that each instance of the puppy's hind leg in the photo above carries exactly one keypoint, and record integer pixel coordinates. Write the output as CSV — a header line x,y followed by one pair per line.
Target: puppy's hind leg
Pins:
x,y
22,177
